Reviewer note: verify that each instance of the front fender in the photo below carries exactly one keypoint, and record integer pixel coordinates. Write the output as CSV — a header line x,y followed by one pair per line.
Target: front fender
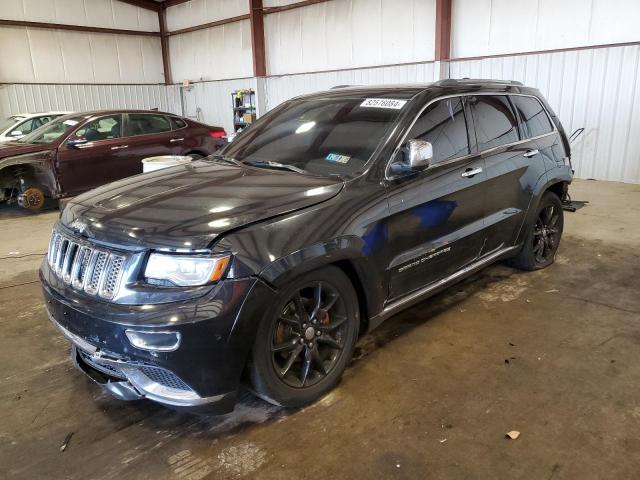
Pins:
x,y
347,253
42,165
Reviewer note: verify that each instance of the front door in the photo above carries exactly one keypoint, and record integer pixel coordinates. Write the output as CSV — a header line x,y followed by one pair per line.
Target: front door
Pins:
x,y
93,155
435,225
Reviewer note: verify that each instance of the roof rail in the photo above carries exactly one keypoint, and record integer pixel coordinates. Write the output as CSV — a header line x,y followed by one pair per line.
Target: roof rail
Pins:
x,y
342,86
451,82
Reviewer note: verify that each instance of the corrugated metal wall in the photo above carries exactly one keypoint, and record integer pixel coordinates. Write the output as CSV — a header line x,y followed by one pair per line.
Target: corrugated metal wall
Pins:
x,y
214,53
598,89
279,89
213,98
39,98
490,27
34,55
348,34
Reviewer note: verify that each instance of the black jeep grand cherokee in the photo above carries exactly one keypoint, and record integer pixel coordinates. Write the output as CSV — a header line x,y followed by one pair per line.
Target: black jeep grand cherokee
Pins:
x,y
331,213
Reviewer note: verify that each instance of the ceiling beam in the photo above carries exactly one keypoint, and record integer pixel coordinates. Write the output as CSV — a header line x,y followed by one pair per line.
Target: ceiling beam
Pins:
x,y
146,4
173,3
76,28
256,16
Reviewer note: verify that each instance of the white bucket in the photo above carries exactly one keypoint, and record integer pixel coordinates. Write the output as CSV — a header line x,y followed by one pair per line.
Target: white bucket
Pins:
x,y
156,163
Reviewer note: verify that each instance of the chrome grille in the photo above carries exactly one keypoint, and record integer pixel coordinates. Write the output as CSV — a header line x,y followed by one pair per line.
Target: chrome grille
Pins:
x,y
94,270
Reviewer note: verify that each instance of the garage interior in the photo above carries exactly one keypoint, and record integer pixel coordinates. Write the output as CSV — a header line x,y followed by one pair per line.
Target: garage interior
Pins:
x,y
431,393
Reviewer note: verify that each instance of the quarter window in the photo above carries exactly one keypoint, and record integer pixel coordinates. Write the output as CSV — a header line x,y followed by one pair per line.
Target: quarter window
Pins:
x,y
177,123
494,121
144,124
533,117
443,124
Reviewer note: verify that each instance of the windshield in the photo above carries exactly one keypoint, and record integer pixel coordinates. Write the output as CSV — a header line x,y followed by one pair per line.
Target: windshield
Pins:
x,y
52,130
320,136
9,122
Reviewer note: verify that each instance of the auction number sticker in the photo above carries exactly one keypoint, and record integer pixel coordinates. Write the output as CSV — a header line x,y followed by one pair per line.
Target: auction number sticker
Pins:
x,y
384,103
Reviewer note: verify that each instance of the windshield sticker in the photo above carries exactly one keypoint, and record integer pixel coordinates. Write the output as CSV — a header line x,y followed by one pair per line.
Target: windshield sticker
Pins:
x,y
71,123
334,157
383,103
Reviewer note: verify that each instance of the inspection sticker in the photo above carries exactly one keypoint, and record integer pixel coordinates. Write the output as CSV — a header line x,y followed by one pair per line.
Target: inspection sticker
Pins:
x,y
383,103
334,157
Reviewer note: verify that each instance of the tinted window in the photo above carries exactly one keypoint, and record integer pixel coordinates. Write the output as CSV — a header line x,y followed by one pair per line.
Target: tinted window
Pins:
x,y
103,128
52,130
443,124
322,135
143,124
494,120
177,123
533,117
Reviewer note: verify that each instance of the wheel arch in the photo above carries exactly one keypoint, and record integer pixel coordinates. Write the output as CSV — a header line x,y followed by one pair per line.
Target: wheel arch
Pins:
x,y
37,169
344,254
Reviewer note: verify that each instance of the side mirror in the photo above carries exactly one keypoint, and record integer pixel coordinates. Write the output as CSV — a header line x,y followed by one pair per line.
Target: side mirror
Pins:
x,y
418,154
76,141
16,133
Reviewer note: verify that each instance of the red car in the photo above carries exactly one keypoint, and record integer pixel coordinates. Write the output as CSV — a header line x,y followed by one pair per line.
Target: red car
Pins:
x,y
78,152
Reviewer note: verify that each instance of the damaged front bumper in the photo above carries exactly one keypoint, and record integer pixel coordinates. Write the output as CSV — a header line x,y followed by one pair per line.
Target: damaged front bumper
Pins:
x,y
127,380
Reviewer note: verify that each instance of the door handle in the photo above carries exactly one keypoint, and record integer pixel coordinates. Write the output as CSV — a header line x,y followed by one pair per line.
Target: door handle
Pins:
x,y
119,147
530,153
173,140
470,172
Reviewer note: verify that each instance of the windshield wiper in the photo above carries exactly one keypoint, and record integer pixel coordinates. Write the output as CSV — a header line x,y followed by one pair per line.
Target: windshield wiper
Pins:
x,y
275,165
225,159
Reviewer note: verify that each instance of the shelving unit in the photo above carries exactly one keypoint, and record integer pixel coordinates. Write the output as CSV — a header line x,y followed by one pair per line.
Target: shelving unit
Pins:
x,y
244,108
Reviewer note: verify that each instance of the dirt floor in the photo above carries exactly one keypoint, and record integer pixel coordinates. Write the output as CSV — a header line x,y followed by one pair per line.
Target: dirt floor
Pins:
x,y
552,354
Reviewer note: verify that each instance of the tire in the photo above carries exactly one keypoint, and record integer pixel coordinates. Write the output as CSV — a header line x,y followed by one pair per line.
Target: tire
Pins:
x,y
322,348
543,236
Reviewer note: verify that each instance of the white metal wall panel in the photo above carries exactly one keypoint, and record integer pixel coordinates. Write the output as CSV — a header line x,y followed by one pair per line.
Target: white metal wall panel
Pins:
x,y
490,27
213,100
279,89
214,53
41,98
93,13
598,89
198,12
349,33
277,3
59,56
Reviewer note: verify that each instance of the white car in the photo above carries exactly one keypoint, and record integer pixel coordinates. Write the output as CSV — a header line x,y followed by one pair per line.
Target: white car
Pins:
x,y
17,126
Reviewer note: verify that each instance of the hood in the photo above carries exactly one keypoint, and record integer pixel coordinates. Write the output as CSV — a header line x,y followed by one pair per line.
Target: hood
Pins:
x,y
189,206
12,148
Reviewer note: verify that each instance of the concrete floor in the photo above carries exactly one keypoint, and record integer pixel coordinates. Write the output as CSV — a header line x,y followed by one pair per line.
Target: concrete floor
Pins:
x,y
553,354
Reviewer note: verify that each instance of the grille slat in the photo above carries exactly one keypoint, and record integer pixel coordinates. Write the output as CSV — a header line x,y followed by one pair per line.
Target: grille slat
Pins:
x,y
95,271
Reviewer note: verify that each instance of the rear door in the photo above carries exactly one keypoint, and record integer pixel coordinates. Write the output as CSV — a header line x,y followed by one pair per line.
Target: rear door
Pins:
x,y
150,135
435,225
98,156
507,159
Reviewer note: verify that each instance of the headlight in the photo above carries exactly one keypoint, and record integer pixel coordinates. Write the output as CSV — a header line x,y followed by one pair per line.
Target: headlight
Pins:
x,y
185,271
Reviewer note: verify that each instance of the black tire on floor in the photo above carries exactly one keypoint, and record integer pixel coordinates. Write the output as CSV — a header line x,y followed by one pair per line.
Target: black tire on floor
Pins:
x,y
543,236
312,325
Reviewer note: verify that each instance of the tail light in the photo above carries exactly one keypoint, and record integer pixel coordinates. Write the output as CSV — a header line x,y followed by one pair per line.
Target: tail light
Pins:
x,y
218,134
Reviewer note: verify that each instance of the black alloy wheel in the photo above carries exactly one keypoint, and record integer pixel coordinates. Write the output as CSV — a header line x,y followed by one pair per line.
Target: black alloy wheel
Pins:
x,y
306,339
543,237
546,235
